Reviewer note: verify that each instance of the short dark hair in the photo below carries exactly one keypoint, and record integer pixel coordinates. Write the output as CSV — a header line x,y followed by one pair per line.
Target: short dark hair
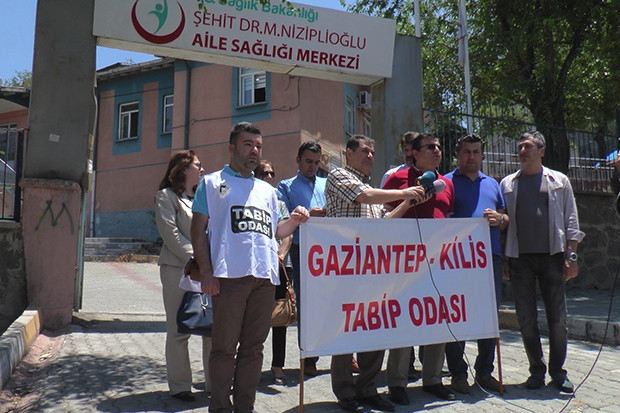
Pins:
x,y
175,173
536,136
309,146
242,127
471,138
356,141
417,140
407,139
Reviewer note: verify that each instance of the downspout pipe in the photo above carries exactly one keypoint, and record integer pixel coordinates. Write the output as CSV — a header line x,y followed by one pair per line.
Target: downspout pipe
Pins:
x,y
188,87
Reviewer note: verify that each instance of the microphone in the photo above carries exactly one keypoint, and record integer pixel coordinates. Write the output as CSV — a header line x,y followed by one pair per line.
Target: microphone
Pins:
x,y
437,187
426,180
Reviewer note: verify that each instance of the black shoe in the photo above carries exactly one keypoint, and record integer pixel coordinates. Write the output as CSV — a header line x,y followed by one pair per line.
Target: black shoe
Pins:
x,y
185,396
310,368
376,402
564,385
460,385
350,405
278,380
488,382
440,391
534,382
399,395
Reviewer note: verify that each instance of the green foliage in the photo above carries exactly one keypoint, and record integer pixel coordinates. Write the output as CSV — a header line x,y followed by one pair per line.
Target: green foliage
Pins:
x,y
556,59
22,78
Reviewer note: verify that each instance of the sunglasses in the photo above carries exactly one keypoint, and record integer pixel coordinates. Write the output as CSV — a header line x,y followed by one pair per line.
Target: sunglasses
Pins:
x,y
272,174
431,146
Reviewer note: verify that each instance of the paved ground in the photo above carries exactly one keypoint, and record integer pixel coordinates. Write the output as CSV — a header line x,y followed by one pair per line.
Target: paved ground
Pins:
x,y
111,360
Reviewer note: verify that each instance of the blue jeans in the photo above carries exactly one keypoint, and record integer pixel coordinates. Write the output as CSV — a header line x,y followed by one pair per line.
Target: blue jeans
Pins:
x,y
486,346
547,270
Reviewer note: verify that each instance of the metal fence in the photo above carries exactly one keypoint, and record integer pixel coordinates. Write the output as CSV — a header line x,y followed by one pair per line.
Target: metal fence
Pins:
x,y
11,161
591,155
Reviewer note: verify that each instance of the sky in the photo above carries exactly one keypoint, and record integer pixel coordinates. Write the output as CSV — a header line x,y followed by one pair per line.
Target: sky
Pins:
x,y
17,38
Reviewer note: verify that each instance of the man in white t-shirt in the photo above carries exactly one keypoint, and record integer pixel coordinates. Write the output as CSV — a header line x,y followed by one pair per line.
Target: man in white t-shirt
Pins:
x,y
234,230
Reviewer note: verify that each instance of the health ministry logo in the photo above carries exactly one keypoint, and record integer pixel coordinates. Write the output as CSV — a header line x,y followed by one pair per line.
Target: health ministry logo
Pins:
x,y
157,17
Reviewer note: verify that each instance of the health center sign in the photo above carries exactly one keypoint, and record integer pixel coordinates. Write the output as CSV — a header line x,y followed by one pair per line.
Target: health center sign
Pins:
x,y
371,284
308,41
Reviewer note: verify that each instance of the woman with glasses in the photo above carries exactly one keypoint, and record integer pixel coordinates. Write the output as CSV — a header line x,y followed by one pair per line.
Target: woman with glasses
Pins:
x,y
173,207
266,172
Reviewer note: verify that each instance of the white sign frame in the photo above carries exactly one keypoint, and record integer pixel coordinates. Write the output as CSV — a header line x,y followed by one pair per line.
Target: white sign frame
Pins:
x,y
315,42
432,247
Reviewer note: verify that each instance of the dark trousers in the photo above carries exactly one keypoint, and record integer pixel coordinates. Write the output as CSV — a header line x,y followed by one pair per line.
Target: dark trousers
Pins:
x,y
278,334
547,270
486,346
343,384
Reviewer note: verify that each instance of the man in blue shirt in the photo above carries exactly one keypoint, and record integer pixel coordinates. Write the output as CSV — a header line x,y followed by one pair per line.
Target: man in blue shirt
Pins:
x,y
477,195
308,190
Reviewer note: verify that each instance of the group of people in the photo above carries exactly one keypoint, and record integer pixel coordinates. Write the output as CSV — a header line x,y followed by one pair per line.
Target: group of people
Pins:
x,y
244,235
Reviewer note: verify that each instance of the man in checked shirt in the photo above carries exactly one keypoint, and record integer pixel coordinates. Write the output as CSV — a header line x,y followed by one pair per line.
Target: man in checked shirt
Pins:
x,y
348,194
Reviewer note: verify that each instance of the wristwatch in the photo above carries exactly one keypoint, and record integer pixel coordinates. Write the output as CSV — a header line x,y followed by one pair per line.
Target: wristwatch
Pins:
x,y
572,256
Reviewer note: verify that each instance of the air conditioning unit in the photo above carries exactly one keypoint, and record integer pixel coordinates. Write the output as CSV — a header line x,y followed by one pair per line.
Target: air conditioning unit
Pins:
x,y
364,100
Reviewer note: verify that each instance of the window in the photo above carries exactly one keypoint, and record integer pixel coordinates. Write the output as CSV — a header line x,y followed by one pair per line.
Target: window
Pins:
x,y
252,87
129,116
349,114
167,113
367,124
7,145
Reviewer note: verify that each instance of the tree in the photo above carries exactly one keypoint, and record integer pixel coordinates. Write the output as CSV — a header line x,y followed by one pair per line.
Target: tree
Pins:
x,y
554,58
22,78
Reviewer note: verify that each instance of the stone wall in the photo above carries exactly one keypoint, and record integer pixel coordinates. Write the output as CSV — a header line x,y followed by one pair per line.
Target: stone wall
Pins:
x,y
13,295
599,253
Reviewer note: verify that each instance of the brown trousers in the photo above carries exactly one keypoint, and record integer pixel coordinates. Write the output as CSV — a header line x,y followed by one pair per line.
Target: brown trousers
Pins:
x,y
241,316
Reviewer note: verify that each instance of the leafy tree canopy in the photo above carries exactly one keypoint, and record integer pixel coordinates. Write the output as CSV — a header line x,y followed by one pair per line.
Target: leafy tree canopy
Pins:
x,y
554,58
22,78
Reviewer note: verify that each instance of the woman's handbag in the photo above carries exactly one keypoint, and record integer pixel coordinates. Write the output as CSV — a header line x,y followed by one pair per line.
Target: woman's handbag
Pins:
x,y
284,309
195,315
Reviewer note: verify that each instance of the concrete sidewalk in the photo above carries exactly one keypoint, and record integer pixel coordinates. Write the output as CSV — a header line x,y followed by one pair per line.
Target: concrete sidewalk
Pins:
x,y
111,358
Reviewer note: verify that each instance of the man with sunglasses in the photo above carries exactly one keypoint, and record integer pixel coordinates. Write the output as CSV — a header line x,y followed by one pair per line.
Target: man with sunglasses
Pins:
x,y
427,157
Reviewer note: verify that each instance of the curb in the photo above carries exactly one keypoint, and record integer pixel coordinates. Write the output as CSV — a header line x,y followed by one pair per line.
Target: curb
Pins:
x,y
129,257
578,328
16,341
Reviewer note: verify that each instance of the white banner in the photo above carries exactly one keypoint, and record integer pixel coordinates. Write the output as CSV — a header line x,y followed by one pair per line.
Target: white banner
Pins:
x,y
312,42
371,284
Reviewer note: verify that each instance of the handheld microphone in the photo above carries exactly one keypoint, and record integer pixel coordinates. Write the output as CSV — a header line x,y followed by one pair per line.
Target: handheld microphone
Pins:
x,y
437,187
426,180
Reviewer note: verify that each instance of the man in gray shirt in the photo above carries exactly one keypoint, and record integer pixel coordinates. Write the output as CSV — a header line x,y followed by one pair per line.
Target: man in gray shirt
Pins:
x,y
541,247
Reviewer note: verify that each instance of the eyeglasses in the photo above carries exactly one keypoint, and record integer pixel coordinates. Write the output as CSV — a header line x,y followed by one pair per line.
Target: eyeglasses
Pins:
x,y
431,146
271,173
198,165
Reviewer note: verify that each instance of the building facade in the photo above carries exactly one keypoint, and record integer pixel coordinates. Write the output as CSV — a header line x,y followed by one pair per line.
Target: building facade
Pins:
x,y
151,110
